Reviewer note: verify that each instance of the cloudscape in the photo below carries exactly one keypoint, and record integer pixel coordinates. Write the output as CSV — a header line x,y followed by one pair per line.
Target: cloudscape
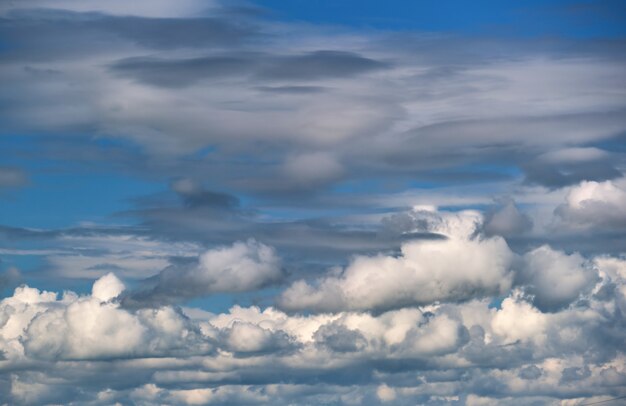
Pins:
x,y
312,202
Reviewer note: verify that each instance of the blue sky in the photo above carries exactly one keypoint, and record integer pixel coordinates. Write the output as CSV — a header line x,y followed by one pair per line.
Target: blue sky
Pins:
x,y
539,18
312,202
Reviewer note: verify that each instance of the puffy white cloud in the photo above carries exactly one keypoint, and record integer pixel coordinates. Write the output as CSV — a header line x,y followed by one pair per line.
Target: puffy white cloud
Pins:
x,y
594,205
241,267
107,287
404,356
518,320
456,268
555,278
38,325
385,393
244,337
439,335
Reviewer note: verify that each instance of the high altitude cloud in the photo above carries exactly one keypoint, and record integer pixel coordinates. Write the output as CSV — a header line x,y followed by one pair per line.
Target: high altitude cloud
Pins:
x,y
220,67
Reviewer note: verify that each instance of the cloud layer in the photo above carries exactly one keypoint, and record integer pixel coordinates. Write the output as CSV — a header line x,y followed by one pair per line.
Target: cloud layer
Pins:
x,y
512,351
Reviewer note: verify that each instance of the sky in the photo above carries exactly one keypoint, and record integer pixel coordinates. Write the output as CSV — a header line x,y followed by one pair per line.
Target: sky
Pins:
x,y
312,202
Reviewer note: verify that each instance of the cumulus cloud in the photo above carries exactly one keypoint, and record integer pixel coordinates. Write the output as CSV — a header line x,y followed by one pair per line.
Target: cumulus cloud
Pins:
x,y
92,327
506,220
108,287
459,267
594,205
512,351
248,338
555,278
241,267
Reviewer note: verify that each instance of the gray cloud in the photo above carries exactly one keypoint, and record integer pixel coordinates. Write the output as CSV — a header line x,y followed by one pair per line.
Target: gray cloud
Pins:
x,y
338,338
12,177
506,220
320,65
50,34
186,72
244,266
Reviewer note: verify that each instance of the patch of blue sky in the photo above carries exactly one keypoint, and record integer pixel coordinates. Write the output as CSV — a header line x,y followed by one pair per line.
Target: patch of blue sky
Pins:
x,y
60,193
57,199
221,302
531,18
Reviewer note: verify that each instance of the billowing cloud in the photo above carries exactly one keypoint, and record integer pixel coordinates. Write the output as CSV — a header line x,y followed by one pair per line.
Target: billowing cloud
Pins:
x,y
459,267
506,220
555,278
241,267
594,205
39,325
511,351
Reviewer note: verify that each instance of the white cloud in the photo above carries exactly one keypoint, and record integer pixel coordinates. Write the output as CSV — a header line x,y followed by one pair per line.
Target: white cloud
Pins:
x,y
36,324
163,357
108,287
240,267
594,205
385,393
458,267
555,278
519,320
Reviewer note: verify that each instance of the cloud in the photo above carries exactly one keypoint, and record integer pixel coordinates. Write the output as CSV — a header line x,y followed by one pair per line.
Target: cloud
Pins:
x,y
456,268
159,8
186,72
593,205
250,339
241,267
312,168
555,278
514,351
329,146
506,220
92,327
12,177
107,287
320,65
338,338
570,166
